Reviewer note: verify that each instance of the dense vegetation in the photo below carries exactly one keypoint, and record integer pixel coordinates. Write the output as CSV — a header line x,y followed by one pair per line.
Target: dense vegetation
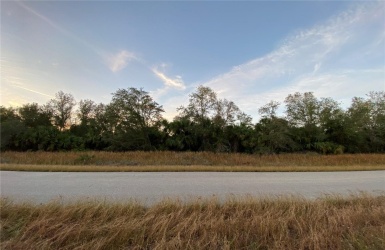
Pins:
x,y
133,121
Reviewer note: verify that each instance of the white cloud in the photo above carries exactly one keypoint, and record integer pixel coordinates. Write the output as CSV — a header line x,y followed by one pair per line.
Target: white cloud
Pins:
x,y
176,82
169,101
120,60
324,59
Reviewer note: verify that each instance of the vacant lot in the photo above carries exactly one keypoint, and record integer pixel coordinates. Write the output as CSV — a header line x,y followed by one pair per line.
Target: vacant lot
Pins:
x,y
356,222
186,161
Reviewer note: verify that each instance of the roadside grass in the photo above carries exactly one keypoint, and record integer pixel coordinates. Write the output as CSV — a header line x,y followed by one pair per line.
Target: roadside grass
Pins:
x,y
183,168
186,161
329,222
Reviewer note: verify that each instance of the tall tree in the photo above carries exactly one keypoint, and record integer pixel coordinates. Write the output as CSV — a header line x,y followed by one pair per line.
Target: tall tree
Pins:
x,y
272,132
135,116
377,100
86,111
302,112
61,108
210,117
201,104
332,123
302,109
366,123
225,112
269,110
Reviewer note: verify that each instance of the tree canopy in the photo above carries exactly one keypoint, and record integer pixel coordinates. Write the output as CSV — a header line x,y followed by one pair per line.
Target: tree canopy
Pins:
x,y
134,121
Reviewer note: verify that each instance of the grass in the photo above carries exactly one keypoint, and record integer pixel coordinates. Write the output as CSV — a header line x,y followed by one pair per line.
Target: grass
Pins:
x,y
186,161
330,222
176,168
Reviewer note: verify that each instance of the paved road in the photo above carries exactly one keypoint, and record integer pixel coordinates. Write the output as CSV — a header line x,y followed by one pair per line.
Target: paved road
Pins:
x,y
152,187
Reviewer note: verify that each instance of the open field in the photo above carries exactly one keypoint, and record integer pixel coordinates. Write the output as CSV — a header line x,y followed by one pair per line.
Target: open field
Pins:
x,y
186,161
330,222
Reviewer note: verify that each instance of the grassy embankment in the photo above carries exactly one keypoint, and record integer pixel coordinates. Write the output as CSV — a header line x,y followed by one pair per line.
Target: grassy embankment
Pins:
x,y
186,161
356,222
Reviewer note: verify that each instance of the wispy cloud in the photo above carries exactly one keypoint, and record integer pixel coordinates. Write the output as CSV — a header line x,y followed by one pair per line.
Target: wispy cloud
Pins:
x,y
176,82
18,82
59,28
120,60
33,91
115,62
16,76
322,59
170,84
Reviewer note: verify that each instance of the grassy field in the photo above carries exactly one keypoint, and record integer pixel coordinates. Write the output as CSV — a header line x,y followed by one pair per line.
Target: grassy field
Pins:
x,y
331,222
186,161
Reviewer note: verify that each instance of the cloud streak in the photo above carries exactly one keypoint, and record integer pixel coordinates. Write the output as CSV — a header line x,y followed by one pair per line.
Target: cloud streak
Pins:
x,y
115,62
319,59
33,91
59,28
16,76
120,60
176,83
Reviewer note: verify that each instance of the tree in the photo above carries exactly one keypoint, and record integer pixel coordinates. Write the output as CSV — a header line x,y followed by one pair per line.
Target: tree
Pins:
x,y
181,135
10,127
269,110
274,136
302,113
377,100
61,108
201,104
86,111
8,114
225,112
302,109
132,117
365,123
332,127
135,107
210,117
33,115
273,133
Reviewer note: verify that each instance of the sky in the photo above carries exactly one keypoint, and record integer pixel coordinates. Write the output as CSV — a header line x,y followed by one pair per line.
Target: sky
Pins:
x,y
249,52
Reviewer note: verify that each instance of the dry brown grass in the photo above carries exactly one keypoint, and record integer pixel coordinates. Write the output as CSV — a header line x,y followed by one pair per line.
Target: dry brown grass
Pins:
x,y
187,161
183,168
356,222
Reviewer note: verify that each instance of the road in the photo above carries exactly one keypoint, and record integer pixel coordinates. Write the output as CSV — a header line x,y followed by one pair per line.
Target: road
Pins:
x,y
152,187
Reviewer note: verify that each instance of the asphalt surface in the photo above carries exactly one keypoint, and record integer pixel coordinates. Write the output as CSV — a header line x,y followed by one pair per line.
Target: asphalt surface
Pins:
x,y
152,187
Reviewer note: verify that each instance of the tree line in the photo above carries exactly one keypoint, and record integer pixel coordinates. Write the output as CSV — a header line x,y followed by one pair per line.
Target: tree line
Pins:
x,y
134,121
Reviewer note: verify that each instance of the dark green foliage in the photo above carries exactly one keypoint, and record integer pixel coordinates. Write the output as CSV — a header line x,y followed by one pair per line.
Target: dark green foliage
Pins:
x,y
274,135
133,118
133,121
33,116
11,129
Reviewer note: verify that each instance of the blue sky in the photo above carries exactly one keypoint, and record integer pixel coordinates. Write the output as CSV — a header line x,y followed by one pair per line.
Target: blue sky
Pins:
x,y
247,52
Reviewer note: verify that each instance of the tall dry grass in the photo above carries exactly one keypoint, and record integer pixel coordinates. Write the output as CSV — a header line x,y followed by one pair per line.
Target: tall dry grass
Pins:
x,y
183,168
356,222
167,158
